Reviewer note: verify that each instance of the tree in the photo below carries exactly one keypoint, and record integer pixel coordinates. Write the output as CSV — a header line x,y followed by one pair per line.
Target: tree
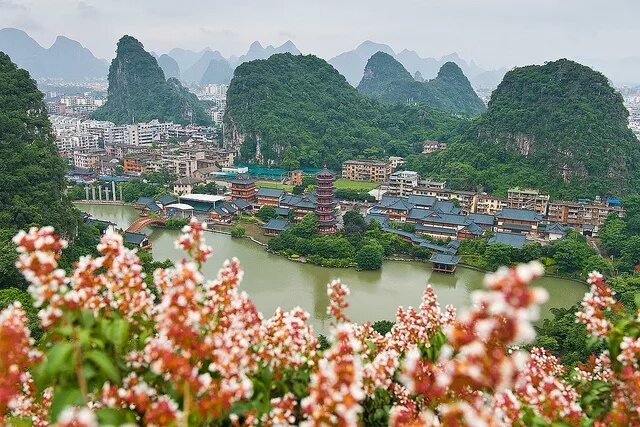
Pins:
x,y
353,222
571,253
266,212
370,257
498,254
208,188
307,227
237,232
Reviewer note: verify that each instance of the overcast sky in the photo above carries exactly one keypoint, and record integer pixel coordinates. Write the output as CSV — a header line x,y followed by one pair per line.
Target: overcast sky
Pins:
x,y
491,32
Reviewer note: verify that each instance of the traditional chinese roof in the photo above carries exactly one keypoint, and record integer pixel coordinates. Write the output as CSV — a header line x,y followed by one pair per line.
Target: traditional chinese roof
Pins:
x,y
519,215
482,219
422,201
511,239
445,259
134,238
269,192
167,199
277,224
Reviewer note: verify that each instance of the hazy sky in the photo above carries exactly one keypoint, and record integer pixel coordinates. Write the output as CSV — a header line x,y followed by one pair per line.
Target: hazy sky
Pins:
x,y
491,32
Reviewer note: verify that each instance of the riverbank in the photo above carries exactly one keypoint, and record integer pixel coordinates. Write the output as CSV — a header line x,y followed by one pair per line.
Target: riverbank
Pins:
x,y
274,281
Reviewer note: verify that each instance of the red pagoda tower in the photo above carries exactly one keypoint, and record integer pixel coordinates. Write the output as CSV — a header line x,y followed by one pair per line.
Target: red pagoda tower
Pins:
x,y
325,204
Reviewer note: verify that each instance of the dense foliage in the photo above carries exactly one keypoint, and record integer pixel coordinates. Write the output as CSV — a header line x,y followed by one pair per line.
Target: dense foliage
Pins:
x,y
386,80
138,91
571,256
620,236
32,175
358,244
300,111
559,127
201,353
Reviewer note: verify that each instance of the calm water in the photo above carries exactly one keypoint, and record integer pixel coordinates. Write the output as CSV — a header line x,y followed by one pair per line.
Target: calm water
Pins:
x,y
274,281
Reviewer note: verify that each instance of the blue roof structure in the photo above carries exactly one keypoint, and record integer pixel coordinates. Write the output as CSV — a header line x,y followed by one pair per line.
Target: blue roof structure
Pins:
x,y
277,225
422,201
167,199
134,238
269,192
511,239
482,219
110,178
555,228
242,179
292,200
241,204
445,259
282,211
519,215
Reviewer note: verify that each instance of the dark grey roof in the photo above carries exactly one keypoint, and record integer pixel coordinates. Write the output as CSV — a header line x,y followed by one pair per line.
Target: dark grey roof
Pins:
x,y
269,192
242,179
277,224
445,259
241,204
482,219
517,227
556,228
454,244
395,203
436,230
144,200
474,229
511,239
282,211
428,215
518,214
446,206
167,199
298,201
418,200
134,238
380,218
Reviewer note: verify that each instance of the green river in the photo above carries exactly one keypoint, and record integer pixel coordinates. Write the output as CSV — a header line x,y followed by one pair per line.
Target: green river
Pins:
x,y
274,281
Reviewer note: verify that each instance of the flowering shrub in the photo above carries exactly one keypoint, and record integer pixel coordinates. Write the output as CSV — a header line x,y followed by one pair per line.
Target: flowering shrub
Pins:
x,y
200,353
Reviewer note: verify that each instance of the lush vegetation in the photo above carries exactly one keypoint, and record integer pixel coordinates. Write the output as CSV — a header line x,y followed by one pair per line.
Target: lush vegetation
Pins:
x,y
358,244
559,127
200,353
138,91
32,181
386,80
266,212
620,236
238,231
299,111
571,256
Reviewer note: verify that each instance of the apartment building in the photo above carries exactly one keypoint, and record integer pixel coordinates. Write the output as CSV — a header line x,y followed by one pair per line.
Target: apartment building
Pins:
x,y
429,147
489,205
520,221
402,183
528,199
577,214
87,159
466,199
366,170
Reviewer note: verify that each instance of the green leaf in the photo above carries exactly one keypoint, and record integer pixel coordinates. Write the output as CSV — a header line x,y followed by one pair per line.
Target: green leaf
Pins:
x,y
58,358
62,398
19,422
118,333
108,416
106,366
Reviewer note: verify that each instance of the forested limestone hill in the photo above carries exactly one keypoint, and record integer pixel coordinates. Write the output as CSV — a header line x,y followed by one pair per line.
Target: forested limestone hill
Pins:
x,y
386,80
138,91
559,127
298,110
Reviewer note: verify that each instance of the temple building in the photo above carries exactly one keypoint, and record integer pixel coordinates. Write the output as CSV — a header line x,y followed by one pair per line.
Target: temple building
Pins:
x,y
243,187
325,203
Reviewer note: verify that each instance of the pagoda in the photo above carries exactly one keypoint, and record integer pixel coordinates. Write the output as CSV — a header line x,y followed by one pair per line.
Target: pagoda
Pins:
x,y
325,204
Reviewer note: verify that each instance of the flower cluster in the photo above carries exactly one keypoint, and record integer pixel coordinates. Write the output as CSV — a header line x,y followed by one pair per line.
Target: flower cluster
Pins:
x,y
203,354
595,305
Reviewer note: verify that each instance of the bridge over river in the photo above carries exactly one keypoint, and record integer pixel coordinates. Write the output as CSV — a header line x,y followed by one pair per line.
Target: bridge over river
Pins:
x,y
144,221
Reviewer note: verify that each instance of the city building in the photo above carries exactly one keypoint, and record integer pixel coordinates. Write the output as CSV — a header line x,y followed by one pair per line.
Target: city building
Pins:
x,y
402,183
528,199
429,147
578,214
295,177
243,187
366,170
325,202
488,204
521,221
185,185
269,196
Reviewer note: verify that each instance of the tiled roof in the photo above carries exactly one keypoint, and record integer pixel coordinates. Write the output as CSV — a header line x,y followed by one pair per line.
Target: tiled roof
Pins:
x,y
167,199
242,179
555,228
517,227
282,211
419,200
428,215
511,239
269,192
241,204
277,224
518,214
445,259
134,238
482,219
436,230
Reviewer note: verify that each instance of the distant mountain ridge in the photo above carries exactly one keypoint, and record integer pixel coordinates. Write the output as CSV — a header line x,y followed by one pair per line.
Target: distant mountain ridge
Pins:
x,y
386,80
351,64
66,59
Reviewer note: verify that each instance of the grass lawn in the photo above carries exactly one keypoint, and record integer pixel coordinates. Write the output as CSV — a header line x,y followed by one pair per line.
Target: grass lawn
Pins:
x,y
270,184
346,184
